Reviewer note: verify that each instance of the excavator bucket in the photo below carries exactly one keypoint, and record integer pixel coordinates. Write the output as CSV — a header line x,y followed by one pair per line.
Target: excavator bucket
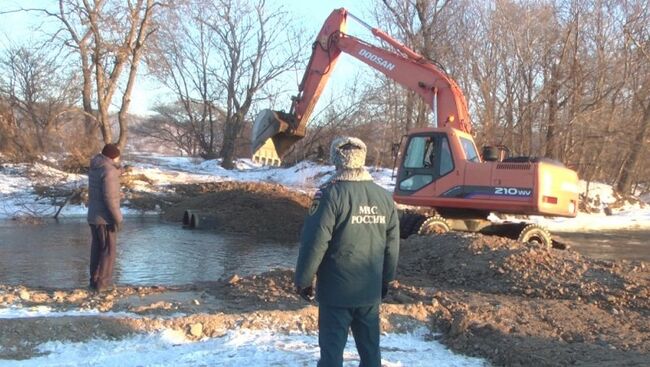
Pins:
x,y
272,137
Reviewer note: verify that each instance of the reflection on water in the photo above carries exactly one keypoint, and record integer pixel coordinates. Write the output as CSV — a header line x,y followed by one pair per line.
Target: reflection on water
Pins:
x,y
148,252
611,245
152,252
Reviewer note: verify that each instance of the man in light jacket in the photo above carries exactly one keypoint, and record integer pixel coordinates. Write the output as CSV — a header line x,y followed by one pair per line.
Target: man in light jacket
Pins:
x,y
350,242
104,216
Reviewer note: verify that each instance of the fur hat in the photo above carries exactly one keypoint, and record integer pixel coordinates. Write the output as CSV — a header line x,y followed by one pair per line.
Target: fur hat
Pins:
x,y
348,154
111,151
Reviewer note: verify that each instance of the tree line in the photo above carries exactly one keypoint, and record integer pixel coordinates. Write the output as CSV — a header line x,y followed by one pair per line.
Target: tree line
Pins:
x,y
566,80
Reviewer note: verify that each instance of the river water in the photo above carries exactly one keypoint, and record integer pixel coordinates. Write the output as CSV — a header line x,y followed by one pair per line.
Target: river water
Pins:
x,y
149,252
612,244
153,252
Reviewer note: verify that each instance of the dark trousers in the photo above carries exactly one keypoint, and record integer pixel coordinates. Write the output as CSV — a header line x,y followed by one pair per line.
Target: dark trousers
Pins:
x,y
102,255
333,326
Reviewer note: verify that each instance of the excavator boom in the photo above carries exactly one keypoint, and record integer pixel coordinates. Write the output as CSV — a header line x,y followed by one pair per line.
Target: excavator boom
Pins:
x,y
440,167
275,132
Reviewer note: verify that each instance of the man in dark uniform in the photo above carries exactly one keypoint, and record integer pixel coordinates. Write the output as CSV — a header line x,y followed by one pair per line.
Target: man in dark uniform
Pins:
x,y
350,242
104,215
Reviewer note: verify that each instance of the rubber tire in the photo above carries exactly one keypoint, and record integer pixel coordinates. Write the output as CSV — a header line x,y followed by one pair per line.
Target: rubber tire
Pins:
x,y
434,225
536,233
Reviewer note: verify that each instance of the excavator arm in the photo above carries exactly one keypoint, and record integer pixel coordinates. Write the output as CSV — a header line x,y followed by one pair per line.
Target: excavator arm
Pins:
x,y
274,132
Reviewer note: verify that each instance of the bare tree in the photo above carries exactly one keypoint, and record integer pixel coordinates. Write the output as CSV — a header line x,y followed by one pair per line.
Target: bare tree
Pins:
x,y
254,46
108,37
172,126
38,90
421,26
182,59
637,33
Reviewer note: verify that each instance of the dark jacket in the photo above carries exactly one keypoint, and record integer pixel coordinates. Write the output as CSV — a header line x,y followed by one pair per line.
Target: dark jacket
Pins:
x,y
350,240
103,191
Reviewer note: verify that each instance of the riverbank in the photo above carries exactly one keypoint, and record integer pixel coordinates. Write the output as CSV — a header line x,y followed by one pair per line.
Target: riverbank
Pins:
x,y
488,297
492,298
152,183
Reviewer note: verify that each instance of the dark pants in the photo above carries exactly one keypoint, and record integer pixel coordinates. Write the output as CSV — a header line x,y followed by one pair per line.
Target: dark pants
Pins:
x,y
333,326
102,255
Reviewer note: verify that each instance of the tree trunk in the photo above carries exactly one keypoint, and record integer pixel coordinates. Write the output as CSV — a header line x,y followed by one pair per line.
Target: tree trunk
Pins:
x,y
228,147
624,184
551,138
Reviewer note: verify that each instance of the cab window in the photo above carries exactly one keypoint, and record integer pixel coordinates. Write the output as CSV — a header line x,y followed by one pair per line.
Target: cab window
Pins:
x,y
446,162
419,152
470,150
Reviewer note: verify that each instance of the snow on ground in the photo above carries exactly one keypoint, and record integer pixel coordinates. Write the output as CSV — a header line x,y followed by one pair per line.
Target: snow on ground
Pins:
x,y
17,188
242,346
13,312
630,216
633,219
238,347
17,185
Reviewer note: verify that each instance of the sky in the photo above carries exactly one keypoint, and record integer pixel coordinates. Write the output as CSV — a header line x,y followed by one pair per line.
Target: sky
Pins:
x,y
16,28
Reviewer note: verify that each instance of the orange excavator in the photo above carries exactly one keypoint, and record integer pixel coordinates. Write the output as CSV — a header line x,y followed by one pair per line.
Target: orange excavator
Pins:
x,y
440,174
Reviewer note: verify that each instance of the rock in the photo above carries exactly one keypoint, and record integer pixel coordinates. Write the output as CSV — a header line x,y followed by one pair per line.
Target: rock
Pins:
x,y
196,330
217,333
59,296
233,279
40,297
459,325
77,296
24,295
528,291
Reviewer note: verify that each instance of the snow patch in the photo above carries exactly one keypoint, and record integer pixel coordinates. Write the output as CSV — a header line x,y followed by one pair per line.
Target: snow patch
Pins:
x,y
159,172
238,347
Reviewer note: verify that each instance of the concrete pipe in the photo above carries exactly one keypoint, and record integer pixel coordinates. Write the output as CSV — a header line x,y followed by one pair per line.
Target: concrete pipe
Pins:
x,y
203,221
187,217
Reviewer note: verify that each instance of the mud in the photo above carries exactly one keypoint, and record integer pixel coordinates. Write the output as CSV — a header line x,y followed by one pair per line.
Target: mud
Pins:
x,y
514,304
270,211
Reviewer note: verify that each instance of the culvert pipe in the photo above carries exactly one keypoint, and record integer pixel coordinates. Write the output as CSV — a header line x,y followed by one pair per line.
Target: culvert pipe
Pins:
x,y
200,220
187,218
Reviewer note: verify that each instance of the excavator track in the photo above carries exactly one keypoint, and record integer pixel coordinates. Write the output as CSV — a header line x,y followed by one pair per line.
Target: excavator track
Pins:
x,y
414,223
410,223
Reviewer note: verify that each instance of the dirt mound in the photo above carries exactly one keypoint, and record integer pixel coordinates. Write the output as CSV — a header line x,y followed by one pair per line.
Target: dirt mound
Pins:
x,y
268,291
500,265
264,210
521,304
